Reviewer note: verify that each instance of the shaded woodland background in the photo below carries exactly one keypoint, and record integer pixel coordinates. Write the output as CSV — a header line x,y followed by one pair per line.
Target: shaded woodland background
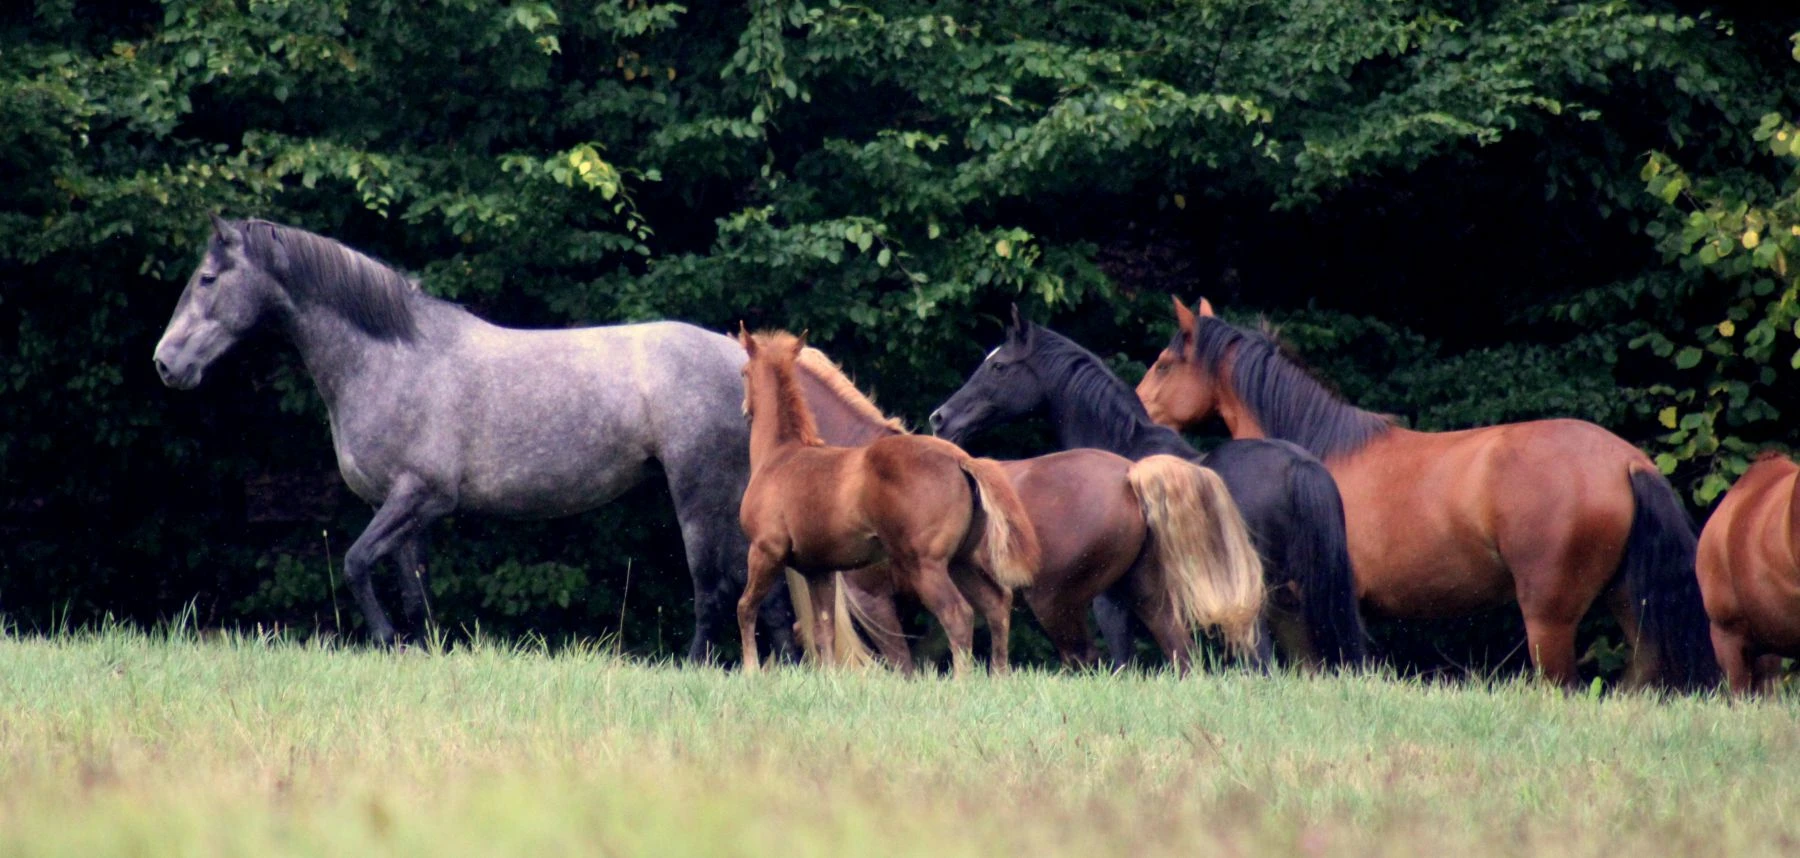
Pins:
x,y
1458,212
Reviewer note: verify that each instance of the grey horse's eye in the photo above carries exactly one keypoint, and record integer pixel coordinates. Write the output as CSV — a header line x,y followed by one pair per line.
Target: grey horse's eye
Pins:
x,y
208,279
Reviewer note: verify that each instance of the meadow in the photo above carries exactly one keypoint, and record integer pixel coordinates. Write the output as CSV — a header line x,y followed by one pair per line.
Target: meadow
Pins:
x,y
126,742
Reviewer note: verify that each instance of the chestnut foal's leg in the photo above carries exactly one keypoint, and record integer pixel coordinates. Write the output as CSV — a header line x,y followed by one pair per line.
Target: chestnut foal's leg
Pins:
x,y
764,570
995,604
931,581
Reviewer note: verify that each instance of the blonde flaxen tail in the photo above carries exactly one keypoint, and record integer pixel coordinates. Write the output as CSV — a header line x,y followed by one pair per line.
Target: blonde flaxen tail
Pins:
x,y
1210,568
848,644
1009,547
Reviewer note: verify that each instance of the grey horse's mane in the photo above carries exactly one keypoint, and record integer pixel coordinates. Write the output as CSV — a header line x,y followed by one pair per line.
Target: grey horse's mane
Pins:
x,y
374,297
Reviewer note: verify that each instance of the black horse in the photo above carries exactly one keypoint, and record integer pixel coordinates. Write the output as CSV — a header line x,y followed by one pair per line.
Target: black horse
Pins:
x,y
1288,499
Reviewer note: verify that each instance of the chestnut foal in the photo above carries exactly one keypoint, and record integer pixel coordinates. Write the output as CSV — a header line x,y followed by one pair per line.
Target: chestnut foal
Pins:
x,y
922,505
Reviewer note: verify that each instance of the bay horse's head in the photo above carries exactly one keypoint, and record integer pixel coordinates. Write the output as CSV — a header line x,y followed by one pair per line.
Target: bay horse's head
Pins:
x,y
226,296
1179,390
1005,387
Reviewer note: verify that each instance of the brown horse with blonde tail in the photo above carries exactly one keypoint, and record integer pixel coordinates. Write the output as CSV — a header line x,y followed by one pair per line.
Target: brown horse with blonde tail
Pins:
x,y
1551,514
1750,573
922,505
1163,532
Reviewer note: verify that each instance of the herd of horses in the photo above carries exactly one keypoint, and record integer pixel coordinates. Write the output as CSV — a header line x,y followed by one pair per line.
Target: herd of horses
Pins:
x,y
1278,540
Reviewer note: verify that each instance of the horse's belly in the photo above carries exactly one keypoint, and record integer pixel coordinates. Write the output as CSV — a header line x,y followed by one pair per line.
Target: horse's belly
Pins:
x,y
1771,612
818,553
530,488
1432,583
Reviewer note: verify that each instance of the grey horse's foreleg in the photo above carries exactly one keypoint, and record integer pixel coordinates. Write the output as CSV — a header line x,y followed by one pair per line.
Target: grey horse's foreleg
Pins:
x,y
708,512
409,562
1114,620
410,505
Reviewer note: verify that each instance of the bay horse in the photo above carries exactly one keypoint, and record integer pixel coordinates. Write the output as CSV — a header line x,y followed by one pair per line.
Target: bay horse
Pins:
x,y
1287,499
1749,564
1551,514
921,507
1163,531
433,409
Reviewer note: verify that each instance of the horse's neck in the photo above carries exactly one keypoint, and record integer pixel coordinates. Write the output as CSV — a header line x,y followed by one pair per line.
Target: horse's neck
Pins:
x,y
838,422
1238,420
337,353
777,427
1079,424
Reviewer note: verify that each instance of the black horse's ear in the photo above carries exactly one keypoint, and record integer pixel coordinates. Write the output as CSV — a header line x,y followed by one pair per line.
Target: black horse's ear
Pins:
x,y
1020,332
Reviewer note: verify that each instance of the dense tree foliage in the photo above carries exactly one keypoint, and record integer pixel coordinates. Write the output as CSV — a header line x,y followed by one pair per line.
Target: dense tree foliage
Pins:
x,y
1444,204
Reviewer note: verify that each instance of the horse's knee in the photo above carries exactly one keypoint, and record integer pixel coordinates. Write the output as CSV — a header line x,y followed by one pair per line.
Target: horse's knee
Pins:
x,y
359,563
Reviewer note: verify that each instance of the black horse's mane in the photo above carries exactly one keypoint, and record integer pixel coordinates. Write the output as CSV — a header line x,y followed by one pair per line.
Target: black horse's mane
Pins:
x,y
374,297
1283,397
1071,371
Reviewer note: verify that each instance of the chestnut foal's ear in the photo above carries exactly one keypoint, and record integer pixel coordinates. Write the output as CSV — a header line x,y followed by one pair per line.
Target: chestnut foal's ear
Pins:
x,y
744,339
1206,308
1184,318
800,342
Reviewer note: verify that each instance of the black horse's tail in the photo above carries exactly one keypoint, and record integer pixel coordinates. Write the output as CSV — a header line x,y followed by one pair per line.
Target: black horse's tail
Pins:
x,y
1659,571
1317,555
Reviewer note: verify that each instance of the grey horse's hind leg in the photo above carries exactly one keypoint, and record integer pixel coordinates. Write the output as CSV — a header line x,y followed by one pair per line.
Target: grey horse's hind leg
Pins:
x,y
409,562
409,507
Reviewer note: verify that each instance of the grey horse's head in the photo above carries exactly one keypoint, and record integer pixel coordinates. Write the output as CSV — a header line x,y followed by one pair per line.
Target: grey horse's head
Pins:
x,y
226,296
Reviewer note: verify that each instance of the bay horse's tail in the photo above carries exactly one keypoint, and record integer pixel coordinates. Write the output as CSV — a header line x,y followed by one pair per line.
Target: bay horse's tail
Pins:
x,y
1317,555
1659,570
1009,547
1212,573
848,644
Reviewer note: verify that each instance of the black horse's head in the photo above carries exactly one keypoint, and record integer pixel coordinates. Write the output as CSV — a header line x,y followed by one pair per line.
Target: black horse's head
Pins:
x,y
1005,387
225,297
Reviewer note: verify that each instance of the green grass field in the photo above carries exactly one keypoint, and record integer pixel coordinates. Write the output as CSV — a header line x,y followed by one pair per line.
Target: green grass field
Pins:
x,y
126,743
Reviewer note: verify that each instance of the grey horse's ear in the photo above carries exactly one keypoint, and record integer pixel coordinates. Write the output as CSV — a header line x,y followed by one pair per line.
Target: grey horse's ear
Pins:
x,y
228,234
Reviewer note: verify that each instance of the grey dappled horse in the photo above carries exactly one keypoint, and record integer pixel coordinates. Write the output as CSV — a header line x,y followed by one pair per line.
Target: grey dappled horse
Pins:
x,y
433,409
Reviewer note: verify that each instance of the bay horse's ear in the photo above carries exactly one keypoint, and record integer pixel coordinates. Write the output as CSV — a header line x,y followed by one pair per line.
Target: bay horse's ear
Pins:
x,y
1184,318
1206,308
744,339
228,234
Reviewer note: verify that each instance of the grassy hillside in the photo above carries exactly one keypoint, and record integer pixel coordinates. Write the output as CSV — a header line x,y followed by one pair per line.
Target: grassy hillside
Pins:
x,y
123,743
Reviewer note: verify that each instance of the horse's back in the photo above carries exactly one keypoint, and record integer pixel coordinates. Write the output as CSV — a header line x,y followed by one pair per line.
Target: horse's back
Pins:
x,y
1749,575
555,421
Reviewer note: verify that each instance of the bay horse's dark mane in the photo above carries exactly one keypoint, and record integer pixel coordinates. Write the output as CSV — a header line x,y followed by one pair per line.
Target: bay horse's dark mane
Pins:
x,y
1075,372
374,297
1282,396
794,418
